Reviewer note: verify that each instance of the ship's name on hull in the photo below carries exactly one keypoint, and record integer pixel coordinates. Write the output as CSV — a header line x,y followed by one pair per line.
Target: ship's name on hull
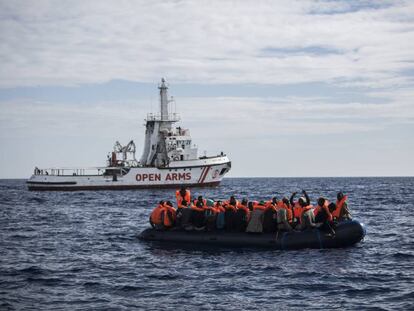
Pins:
x,y
169,176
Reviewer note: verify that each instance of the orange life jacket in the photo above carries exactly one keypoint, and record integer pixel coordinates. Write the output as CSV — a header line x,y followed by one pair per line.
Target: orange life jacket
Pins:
x,y
180,199
319,208
219,208
257,206
156,214
245,209
339,205
297,210
306,208
270,206
229,206
281,205
168,222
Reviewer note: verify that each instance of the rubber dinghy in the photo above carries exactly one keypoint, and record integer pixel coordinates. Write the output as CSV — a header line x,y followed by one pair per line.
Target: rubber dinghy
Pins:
x,y
348,233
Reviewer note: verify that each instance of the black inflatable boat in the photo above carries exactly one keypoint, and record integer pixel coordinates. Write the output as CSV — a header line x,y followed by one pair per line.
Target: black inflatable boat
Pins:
x,y
347,233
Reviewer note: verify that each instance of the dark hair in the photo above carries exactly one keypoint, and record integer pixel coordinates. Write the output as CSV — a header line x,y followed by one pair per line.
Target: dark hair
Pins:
x,y
244,201
169,203
232,200
250,206
340,195
161,202
274,200
184,202
332,207
183,192
286,201
321,201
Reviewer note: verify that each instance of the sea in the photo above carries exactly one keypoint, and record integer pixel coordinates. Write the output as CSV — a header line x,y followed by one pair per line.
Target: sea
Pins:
x,y
80,251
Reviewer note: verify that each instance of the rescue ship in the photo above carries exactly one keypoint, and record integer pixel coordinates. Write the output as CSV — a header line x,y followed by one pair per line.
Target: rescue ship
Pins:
x,y
169,159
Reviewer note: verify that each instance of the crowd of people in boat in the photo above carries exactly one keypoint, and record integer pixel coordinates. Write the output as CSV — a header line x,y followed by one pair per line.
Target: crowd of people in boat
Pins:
x,y
249,216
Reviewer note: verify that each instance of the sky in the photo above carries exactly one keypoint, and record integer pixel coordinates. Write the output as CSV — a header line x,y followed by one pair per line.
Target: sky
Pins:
x,y
284,88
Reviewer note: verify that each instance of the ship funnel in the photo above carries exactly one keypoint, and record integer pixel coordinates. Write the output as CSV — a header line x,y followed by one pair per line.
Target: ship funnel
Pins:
x,y
163,100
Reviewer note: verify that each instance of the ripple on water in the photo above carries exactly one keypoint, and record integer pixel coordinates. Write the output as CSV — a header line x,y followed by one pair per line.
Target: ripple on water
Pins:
x,y
79,250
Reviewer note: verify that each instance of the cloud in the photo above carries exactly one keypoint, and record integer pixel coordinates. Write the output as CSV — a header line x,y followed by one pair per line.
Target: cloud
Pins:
x,y
49,43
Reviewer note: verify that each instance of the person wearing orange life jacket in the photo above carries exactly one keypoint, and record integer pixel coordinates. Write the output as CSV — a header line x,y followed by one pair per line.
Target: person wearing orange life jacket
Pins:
x,y
273,202
220,219
244,207
307,218
182,194
298,206
155,219
210,214
230,214
324,217
255,224
322,213
184,212
241,217
168,215
285,204
197,215
284,215
341,212
270,216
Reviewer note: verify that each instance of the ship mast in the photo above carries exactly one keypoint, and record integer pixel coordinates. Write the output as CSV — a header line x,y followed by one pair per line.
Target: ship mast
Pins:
x,y
163,100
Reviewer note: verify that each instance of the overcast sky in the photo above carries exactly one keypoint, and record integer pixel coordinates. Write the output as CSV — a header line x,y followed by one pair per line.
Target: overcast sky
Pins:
x,y
285,88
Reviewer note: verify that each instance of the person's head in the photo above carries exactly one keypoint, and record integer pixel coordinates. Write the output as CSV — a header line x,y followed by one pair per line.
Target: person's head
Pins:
x,y
219,203
184,202
250,206
302,201
169,203
321,201
200,198
161,203
262,203
332,207
340,196
274,200
232,200
183,191
244,201
286,201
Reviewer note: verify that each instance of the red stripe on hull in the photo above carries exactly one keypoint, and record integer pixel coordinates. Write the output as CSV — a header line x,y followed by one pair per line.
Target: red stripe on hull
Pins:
x,y
121,187
205,174
201,175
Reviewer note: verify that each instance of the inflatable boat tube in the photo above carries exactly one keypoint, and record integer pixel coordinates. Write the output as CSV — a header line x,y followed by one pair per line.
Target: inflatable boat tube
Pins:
x,y
347,233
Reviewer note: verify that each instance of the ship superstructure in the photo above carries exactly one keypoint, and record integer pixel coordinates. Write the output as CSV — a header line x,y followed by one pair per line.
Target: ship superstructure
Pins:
x,y
169,159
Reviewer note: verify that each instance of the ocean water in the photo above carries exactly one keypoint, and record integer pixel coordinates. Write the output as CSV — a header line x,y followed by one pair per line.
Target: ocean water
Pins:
x,y
79,251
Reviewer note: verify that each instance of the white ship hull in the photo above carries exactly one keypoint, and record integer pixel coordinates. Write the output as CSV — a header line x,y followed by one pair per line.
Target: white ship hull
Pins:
x,y
194,173
169,159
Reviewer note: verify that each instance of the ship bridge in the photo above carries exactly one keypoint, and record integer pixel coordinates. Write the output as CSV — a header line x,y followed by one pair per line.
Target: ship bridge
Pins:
x,y
164,142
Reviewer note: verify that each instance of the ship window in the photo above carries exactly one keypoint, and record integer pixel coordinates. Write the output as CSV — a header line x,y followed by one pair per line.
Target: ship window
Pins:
x,y
224,170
